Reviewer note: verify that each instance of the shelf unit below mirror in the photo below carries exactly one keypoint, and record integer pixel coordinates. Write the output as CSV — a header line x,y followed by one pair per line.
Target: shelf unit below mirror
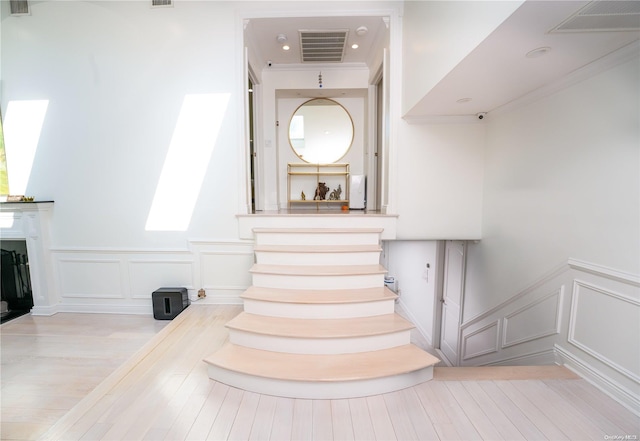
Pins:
x,y
304,179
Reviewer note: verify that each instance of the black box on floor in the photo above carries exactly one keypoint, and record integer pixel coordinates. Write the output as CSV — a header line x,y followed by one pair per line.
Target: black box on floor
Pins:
x,y
169,302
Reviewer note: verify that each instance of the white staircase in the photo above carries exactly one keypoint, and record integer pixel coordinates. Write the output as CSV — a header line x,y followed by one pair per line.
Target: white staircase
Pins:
x,y
318,321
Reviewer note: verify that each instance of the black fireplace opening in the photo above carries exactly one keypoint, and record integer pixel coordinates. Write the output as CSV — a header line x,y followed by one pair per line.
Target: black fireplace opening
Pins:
x,y
17,297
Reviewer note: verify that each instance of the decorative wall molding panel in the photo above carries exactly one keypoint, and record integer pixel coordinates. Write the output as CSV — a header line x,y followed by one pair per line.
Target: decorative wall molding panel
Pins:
x,y
594,331
536,320
482,341
594,309
145,276
91,278
122,280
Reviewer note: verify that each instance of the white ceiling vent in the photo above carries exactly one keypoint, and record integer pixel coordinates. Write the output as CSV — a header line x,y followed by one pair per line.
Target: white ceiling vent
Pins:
x,y
161,3
323,46
604,15
19,7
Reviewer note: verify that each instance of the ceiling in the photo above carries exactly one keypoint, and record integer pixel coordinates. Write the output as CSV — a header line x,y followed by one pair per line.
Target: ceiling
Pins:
x,y
497,71
262,35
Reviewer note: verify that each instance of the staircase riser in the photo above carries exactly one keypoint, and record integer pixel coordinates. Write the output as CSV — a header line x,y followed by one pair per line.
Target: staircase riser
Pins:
x,y
319,311
321,390
283,238
319,345
317,282
301,258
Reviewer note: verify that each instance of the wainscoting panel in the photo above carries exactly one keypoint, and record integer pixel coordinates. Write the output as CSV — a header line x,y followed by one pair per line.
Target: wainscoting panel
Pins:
x,y
148,275
594,309
594,329
91,278
123,280
481,342
536,320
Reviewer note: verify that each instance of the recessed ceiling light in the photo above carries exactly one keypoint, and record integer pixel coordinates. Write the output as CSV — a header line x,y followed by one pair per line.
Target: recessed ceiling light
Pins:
x,y
538,52
362,30
354,46
463,100
285,47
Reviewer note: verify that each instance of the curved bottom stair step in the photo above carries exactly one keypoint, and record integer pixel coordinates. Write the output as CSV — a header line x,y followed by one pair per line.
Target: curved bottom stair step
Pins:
x,y
321,376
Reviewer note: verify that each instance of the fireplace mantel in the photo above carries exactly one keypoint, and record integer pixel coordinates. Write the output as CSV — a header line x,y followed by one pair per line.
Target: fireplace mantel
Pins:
x,y
31,222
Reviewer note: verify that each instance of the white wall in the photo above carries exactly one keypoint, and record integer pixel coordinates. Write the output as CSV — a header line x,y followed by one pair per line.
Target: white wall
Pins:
x,y
562,180
117,77
415,283
439,181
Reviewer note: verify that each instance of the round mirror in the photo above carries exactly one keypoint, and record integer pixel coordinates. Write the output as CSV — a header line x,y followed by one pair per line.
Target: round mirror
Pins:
x,y
321,131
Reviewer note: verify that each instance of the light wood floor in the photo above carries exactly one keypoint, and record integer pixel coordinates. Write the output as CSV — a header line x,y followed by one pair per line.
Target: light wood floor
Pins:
x,y
163,392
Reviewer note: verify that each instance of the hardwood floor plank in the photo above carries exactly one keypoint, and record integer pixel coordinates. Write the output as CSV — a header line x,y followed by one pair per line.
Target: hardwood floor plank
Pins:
x,y
361,418
604,406
528,407
382,425
510,409
163,392
341,420
420,419
493,413
97,431
226,416
188,414
207,415
575,428
302,426
400,419
478,418
265,412
283,420
465,428
584,407
322,426
444,427
241,428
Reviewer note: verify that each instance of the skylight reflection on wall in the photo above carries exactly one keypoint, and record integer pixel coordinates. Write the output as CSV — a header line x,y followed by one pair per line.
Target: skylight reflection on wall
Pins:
x,y
22,127
190,150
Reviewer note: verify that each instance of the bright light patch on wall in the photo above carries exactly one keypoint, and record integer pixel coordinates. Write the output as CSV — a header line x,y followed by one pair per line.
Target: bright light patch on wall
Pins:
x,y
194,138
22,127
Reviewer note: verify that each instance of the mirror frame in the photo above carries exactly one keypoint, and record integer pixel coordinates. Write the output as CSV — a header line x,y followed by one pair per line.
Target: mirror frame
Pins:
x,y
353,130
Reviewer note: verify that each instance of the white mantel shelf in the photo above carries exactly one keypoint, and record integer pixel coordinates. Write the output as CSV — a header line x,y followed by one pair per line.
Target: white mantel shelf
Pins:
x,y
31,222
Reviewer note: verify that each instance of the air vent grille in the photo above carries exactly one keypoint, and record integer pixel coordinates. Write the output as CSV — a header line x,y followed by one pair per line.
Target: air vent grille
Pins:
x,y
604,15
19,7
161,3
323,46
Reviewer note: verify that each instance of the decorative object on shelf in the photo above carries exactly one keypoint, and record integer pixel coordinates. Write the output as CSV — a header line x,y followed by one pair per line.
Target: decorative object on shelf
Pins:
x,y
336,194
345,208
324,177
20,198
321,192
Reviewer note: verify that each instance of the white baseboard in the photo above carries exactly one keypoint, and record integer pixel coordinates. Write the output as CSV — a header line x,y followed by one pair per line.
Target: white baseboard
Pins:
x,y
607,385
106,309
541,358
44,310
